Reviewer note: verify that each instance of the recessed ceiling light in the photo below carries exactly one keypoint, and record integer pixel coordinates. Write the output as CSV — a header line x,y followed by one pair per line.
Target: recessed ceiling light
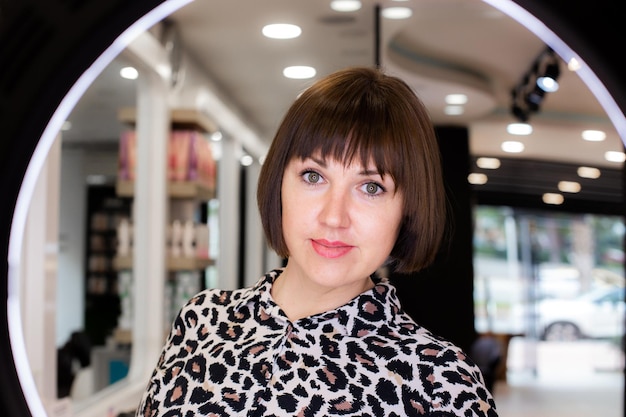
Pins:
x,y
129,73
593,135
588,172
552,198
614,156
345,5
216,136
456,99
477,178
569,186
281,31
573,64
512,146
397,12
299,72
519,129
548,84
488,163
246,160
453,110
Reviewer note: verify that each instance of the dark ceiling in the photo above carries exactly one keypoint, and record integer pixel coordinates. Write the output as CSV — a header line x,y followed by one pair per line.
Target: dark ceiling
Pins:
x,y
522,182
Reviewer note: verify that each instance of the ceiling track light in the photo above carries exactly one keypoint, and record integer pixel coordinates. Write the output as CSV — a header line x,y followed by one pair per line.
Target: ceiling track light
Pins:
x,y
528,95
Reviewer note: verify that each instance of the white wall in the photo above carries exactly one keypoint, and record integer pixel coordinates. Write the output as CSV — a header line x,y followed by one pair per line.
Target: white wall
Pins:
x,y
38,276
76,166
70,283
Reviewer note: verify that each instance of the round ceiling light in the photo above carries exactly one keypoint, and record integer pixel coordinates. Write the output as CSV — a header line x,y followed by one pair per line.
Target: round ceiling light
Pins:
x,y
299,72
281,31
345,5
397,12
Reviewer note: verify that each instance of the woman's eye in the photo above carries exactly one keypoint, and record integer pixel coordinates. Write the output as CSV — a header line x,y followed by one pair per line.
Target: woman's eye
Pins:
x,y
312,177
372,188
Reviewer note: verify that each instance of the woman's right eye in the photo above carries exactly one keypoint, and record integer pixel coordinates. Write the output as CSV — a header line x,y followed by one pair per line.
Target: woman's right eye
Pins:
x,y
311,177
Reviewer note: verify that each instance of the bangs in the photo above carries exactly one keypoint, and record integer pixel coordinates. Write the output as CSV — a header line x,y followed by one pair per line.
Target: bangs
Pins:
x,y
347,134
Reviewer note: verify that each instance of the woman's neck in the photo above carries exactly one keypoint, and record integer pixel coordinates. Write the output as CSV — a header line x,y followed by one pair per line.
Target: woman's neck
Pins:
x,y
299,297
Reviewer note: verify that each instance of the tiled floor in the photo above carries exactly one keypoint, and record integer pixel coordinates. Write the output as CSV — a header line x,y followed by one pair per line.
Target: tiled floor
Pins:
x,y
580,379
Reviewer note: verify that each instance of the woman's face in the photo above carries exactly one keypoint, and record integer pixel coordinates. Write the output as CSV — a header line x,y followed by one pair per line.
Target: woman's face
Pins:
x,y
340,222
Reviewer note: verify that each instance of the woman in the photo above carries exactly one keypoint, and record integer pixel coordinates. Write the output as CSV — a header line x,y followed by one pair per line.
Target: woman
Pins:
x,y
351,183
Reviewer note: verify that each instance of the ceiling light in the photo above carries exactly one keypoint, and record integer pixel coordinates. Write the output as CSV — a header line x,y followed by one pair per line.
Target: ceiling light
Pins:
x,y
614,156
246,160
512,146
547,84
569,186
453,110
456,99
345,5
548,72
540,78
588,172
281,31
129,73
519,129
397,12
573,64
552,198
488,163
299,72
476,178
593,135
216,136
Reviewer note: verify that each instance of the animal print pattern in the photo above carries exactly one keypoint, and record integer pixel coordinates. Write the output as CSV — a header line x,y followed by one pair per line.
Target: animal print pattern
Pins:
x,y
235,353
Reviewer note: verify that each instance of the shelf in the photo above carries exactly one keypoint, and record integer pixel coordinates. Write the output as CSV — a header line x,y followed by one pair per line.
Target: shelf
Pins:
x,y
173,264
125,336
181,118
174,190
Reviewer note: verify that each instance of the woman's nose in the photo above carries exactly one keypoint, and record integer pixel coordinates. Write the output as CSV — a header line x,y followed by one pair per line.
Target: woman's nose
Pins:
x,y
335,210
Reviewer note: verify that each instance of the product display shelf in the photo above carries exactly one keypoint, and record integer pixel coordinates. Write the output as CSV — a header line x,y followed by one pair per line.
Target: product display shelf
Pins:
x,y
121,263
105,210
181,119
175,189
187,191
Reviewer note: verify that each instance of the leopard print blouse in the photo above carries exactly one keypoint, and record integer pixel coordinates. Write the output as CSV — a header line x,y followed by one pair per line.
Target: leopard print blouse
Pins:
x,y
235,353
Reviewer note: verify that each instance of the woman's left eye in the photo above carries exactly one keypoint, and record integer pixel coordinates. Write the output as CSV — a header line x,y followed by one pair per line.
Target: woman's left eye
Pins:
x,y
372,188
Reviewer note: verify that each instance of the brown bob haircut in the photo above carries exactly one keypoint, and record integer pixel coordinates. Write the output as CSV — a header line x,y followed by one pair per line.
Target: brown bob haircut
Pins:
x,y
364,113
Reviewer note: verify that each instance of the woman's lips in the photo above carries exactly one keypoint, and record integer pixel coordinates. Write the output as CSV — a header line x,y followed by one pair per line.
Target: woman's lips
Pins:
x,y
329,249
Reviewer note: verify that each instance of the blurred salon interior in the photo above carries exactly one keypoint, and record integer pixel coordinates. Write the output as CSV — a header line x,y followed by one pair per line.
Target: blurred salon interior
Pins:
x,y
142,190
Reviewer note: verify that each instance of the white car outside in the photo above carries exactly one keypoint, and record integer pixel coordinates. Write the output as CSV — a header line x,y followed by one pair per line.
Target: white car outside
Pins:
x,y
599,313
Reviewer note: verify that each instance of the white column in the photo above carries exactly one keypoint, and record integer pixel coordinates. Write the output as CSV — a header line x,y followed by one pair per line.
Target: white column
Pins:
x,y
255,240
149,220
150,214
228,194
